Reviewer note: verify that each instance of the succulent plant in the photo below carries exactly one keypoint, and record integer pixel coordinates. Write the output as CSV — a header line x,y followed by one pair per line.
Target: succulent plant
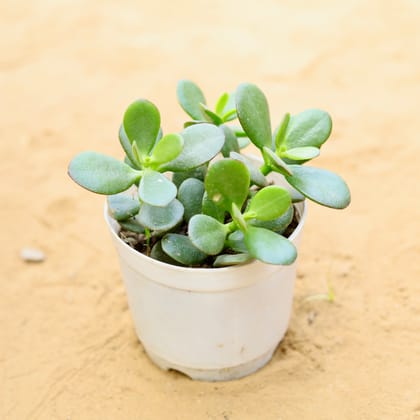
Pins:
x,y
193,199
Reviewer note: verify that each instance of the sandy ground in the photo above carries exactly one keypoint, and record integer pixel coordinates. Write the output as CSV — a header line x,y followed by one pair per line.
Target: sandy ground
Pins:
x,y
67,71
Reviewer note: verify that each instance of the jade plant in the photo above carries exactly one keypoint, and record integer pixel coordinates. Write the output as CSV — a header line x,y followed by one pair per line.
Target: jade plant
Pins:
x,y
193,199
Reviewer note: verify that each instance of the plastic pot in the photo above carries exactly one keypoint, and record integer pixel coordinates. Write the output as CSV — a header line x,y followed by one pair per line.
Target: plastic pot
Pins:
x,y
211,324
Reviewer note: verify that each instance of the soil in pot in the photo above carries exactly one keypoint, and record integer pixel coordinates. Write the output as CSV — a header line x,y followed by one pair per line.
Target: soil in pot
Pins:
x,y
139,242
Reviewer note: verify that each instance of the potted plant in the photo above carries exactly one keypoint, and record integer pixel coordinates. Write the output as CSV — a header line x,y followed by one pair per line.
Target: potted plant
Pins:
x,y
207,236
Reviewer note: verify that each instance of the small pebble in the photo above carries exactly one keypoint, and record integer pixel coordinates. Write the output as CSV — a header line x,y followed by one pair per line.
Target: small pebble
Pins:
x,y
32,255
311,317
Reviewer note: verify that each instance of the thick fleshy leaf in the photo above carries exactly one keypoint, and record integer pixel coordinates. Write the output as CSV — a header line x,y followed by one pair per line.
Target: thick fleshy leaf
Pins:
x,y
160,218
269,203
301,153
190,97
227,181
253,114
320,185
308,128
141,124
126,145
275,163
190,123
132,224
123,206
167,149
269,247
221,103
230,115
231,142
278,224
280,132
226,260
210,115
155,189
240,134
202,142
190,194
243,142
236,241
230,104
296,196
207,234
257,177
102,174
198,173
159,254
136,153
210,208
128,162
181,249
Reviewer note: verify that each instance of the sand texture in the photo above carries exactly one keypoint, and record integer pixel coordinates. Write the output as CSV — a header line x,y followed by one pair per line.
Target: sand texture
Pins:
x,y
68,69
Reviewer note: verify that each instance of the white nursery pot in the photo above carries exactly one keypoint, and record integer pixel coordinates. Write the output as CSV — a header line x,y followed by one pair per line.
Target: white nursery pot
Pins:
x,y
211,324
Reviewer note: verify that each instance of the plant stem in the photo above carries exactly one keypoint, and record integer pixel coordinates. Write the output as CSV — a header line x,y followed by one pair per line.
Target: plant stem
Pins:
x,y
231,226
148,236
265,169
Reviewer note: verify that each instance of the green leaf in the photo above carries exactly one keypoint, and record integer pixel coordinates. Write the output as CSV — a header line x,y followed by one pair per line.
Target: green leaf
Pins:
x,y
142,124
190,97
198,173
126,145
190,194
155,189
221,103
159,254
281,132
190,123
275,163
210,115
230,115
227,182
136,153
181,249
102,174
243,142
160,218
231,142
309,128
301,153
128,162
269,247
202,142
278,224
167,149
123,206
269,203
296,196
236,241
253,114
322,186
226,260
230,105
210,208
132,225
207,234
257,177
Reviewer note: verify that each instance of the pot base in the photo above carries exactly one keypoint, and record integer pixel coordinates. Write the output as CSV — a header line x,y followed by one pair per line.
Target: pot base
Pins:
x,y
213,375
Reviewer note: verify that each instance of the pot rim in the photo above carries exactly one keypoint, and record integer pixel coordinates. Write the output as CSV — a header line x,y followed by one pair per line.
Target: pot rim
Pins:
x,y
114,228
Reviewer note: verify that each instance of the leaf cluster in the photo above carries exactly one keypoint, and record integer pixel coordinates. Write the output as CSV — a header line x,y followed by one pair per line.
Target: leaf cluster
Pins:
x,y
196,195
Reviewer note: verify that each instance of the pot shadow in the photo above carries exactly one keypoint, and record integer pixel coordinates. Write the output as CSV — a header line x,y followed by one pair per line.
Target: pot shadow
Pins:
x,y
296,353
